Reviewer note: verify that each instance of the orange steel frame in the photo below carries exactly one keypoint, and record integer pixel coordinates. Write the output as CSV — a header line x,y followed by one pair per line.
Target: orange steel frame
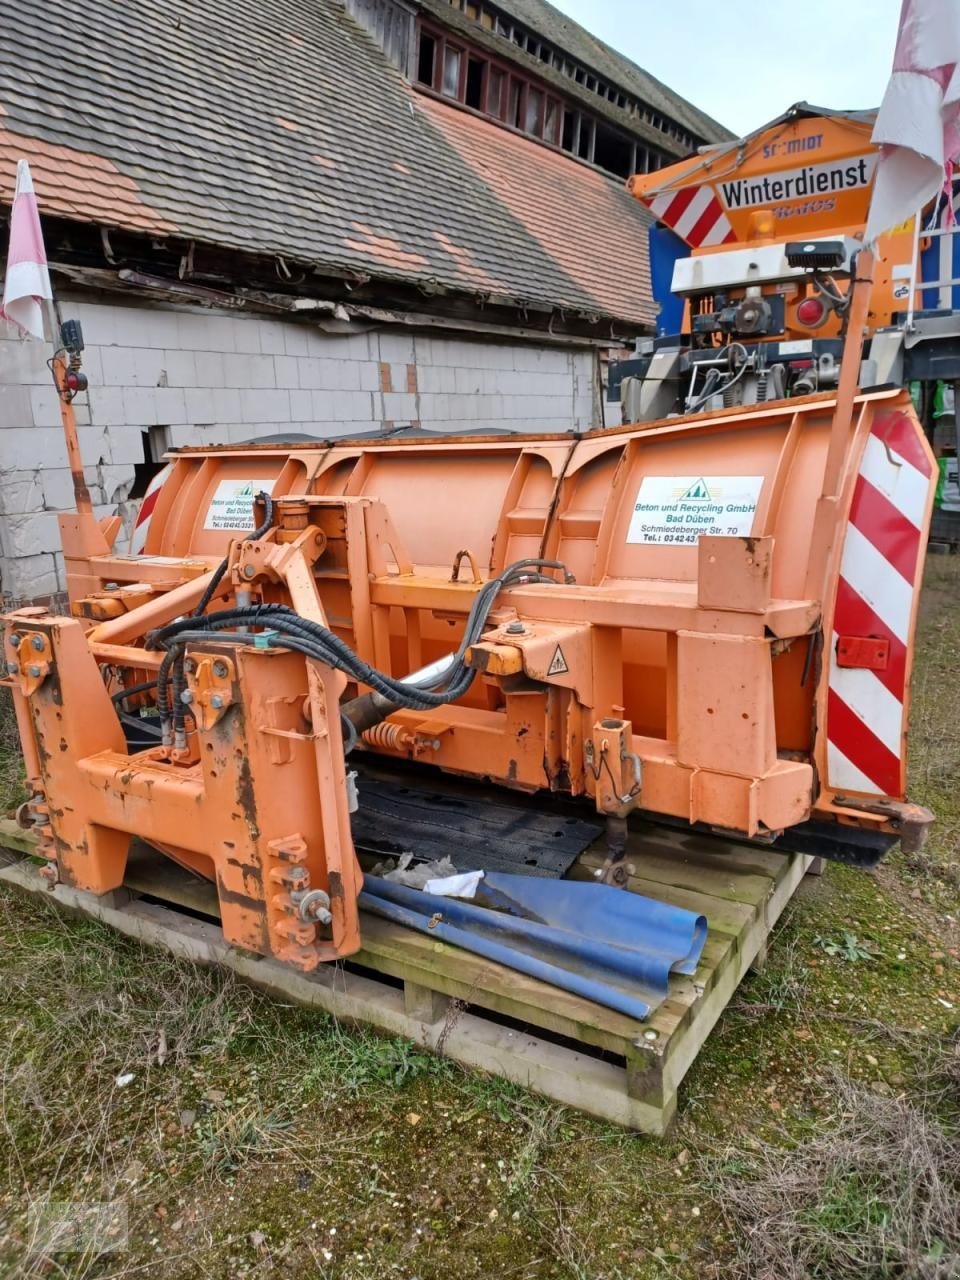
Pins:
x,y
690,683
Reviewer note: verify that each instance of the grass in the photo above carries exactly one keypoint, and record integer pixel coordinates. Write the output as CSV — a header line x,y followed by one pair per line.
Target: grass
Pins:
x,y
12,790
873,1191
935,710
817,1136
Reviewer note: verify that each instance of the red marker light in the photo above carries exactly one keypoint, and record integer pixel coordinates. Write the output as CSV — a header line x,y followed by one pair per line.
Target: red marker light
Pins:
x,y
811,313
75,381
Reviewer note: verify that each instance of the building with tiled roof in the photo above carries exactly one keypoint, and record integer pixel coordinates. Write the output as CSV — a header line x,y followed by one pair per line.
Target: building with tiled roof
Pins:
x,y
291,216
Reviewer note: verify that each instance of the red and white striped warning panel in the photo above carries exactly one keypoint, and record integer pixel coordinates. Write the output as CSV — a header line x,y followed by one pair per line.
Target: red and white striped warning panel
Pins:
x,y
695,214
138,539
880,570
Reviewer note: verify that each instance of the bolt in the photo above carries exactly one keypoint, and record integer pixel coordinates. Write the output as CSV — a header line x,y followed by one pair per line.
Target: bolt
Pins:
x,y
37,643
249,570
34,670
12,668
50,873
14,640
515,629
216,702
186,696
111,586
190,666
220,669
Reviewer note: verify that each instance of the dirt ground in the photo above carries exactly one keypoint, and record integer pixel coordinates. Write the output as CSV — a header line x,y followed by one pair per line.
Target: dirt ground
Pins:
x,y
232,1136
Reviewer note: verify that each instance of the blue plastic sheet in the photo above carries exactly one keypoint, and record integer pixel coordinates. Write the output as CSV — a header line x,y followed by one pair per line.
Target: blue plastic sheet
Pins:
x,y
608,945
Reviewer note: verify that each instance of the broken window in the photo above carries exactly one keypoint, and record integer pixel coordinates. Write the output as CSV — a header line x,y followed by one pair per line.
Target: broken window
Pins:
x,y
613,150
571,124
473,96
585,141
156,442
425,58
549,54
485,84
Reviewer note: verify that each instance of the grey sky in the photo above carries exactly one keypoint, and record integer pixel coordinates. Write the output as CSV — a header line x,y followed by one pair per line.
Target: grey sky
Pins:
x,y
744,63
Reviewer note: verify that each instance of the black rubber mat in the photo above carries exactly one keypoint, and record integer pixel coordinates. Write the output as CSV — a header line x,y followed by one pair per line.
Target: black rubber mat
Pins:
x,y
474,832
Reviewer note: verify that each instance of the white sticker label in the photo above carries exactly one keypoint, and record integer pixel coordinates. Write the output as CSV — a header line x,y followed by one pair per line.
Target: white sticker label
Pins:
x,y
678,509
231,506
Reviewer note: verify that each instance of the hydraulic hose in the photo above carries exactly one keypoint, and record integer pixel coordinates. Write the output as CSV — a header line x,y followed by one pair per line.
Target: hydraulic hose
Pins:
x,y
442,683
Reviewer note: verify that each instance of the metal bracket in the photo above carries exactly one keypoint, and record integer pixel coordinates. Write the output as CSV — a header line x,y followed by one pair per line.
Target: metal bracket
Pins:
x,y
210,688
617,770
911,821
29,657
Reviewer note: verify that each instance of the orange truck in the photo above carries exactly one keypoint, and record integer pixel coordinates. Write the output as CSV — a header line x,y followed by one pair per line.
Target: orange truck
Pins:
x,y
706,614
738,296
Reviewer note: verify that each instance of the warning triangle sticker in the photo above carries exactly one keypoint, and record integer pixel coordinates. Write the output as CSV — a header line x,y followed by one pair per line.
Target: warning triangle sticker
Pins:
x,y
558,664
698,490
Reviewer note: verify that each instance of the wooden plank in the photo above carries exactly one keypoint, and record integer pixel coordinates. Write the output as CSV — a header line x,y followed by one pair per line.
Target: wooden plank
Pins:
x,y
566,1075
149,872
452,973
682,1030
742,898
713,877
483,983
569,1077
424,1004
15,837
196,940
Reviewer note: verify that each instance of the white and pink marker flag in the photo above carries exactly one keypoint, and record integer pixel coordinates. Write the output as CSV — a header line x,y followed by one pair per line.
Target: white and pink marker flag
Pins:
x,y
918,124
27,280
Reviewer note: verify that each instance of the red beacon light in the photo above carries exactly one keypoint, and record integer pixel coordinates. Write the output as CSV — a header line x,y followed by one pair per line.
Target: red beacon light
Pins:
x,y
811,312
75,381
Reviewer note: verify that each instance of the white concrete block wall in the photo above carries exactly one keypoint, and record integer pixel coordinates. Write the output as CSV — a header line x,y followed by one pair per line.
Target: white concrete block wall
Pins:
x,y
211,377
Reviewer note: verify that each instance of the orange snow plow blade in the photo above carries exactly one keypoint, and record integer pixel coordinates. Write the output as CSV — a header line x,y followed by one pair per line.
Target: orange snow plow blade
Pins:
x,y
707,628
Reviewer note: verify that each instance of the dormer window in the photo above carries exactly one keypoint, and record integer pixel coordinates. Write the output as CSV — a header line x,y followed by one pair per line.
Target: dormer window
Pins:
x,y
499,24
448,66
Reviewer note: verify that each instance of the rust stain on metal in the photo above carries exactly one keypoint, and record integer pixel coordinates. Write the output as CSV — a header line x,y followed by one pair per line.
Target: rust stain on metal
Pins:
x,y
248,870
246,797
239,899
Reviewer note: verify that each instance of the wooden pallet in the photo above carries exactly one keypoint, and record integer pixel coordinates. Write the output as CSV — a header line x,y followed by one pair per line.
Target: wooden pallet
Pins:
x,y
479,1013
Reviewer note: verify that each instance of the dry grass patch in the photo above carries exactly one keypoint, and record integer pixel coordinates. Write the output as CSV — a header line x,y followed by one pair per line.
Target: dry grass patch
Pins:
x,y
872,1194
